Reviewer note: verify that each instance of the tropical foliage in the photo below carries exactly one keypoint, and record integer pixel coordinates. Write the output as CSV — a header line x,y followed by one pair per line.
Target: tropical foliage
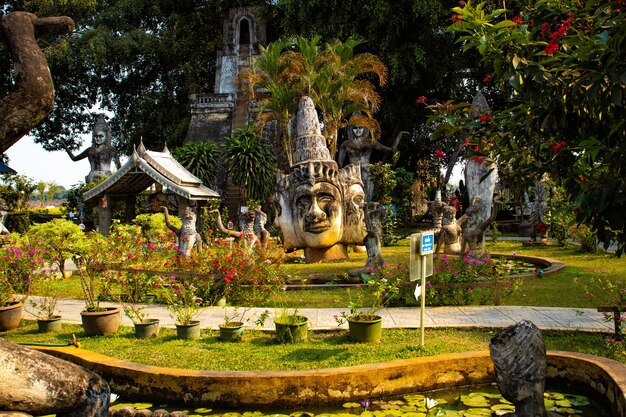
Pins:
x,y
575,132
334,76
200,158
251,163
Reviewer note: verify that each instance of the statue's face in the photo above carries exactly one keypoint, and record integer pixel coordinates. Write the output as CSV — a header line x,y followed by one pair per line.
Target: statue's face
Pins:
x,y
99,137
318,214
354,230
358,131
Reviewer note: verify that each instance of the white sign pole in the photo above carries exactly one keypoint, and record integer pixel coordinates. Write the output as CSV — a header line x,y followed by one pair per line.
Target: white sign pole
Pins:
x,y
423,300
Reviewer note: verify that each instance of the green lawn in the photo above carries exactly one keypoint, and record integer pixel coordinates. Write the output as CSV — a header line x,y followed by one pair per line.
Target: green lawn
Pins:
x,y
262,352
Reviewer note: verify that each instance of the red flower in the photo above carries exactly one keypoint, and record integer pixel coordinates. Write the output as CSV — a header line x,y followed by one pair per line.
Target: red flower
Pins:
x,y
517,20
421,100
486,79
440,154
456,18
479,159
485,118
558,147
552,48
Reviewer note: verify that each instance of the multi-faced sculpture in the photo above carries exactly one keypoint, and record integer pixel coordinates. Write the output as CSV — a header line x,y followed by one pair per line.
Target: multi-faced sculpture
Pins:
x,y
314,197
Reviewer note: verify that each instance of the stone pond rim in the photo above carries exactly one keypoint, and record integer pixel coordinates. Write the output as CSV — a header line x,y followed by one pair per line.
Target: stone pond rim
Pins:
x,y
600,377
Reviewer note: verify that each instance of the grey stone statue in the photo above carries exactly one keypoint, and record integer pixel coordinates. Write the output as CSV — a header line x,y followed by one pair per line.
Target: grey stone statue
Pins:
x,y
358,149
451,231
538,208
311,198
520,362
187,236
474,233
100,154
38,384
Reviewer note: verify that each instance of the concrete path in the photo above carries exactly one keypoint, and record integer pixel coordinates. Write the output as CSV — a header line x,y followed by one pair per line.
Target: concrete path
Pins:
x,y
400,317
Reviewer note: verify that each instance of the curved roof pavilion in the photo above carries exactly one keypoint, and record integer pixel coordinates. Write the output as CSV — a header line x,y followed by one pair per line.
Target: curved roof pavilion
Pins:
x,y
143,169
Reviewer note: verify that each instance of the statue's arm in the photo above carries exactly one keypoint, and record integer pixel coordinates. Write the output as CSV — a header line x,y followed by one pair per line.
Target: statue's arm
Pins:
x,y
168,223
73,157
116,159
342,154
221,228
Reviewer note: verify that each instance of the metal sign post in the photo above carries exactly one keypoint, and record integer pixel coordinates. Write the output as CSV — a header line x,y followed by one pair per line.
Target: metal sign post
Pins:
x,y
421,266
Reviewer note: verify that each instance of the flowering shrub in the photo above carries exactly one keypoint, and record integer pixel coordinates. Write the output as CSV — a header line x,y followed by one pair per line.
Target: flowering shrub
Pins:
x,y
453,279
605,290
19,265
181,295
384,282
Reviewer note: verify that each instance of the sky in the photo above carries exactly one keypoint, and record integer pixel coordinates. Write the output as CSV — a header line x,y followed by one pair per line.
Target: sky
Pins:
x,y
31,160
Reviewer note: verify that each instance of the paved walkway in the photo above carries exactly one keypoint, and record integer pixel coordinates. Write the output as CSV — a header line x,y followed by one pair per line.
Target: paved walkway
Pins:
x,y
401,317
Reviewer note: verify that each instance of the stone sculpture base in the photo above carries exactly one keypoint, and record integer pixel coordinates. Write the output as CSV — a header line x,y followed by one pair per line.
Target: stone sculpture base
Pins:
x,y
337,252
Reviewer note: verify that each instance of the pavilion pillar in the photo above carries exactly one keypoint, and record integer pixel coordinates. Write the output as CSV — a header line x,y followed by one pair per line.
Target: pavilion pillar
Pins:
x,y
103,210
130,212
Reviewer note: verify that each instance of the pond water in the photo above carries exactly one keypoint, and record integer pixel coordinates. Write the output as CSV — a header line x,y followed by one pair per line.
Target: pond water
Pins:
x,y
460,402
513,266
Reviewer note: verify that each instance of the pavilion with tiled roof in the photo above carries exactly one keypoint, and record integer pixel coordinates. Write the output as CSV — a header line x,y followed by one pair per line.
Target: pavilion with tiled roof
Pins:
x,y
143,169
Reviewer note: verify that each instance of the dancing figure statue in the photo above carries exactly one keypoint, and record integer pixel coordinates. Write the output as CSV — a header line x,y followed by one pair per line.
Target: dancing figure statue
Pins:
x,y
100,153
451,232
358,148
474,233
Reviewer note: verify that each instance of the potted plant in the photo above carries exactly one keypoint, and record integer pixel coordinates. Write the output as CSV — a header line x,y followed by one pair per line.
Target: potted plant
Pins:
x,y
291,327
180,294
231,329
18,264
44,305
131,296
364,324
96,320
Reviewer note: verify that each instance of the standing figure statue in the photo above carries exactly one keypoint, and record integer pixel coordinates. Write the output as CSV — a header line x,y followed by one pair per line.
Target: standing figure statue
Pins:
x,y
474,233
246,226
186,235
260,219
358,147
100,153
538,210
450,233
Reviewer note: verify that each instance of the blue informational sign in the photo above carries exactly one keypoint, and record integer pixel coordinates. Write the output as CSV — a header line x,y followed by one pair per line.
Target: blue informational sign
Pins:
x,y
428,244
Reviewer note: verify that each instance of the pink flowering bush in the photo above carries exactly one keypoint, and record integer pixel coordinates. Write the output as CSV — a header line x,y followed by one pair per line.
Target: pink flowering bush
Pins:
x,y
19,265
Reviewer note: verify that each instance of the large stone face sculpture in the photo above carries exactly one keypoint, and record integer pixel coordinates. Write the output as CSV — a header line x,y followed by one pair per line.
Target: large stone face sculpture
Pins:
x,y
319,206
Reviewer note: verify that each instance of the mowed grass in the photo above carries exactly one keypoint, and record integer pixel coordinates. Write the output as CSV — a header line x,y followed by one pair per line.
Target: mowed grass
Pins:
x,y
262,352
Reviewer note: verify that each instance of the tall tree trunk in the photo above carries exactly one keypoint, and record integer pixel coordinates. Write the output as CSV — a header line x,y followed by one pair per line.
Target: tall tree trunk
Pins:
x,y
33,97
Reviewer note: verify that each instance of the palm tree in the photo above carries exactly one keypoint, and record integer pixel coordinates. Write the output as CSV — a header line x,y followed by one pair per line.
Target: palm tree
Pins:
x,y
41,189
334,77
53,187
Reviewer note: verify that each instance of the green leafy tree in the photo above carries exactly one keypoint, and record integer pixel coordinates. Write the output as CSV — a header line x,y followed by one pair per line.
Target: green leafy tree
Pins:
x,y
200,158
561,64
60,239
52,190
251,164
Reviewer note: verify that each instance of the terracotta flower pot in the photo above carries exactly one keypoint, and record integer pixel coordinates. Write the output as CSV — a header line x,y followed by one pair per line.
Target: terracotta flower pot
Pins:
x,y
10,316
97,323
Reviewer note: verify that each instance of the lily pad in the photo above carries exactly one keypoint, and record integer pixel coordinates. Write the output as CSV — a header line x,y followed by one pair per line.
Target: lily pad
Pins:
x,y
351,405
302,414
477,412
203,410
142,406
564,403
504,407
475,401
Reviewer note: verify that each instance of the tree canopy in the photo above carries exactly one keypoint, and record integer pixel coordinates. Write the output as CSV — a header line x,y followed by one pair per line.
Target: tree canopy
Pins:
x,y
562,64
